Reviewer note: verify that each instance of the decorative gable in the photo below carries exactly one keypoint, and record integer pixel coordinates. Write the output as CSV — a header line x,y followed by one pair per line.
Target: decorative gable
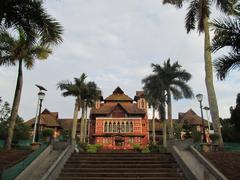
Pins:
x,y
118,111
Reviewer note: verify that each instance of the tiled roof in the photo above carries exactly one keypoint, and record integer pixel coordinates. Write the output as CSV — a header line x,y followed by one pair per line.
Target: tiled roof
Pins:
x,y
192,118
108,108
118,95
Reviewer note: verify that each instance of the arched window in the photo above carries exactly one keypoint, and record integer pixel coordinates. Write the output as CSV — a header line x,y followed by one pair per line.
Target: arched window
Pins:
x,y
114,127
110,127
118,127
105,127
122,127
131,127
127,127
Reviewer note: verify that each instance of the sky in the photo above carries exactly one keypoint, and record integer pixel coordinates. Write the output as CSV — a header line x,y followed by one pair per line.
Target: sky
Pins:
x,y
114,42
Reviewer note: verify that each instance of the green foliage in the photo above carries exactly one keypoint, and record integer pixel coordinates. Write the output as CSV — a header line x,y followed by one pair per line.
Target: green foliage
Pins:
x,y
47,132
66,134
82,146
137,147
229,132
21,130
155,148
187,129
146,150
177,130
214,137
235,115
93,148
196,135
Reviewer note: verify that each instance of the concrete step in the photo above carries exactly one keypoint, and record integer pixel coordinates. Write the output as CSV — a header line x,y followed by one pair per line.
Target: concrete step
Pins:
x,y
122,154
121,174
120,178
119,162
121,165
122,158
117,169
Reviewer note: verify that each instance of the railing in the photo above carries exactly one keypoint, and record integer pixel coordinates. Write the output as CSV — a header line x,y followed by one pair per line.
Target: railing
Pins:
x,y
12,172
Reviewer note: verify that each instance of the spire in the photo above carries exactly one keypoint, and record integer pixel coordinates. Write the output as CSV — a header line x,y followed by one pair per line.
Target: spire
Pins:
x,y
118,90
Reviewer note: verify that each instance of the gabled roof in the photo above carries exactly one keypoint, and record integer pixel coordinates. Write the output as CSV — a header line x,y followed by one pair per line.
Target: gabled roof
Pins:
x,y
109,108
118,96
192,118
47,118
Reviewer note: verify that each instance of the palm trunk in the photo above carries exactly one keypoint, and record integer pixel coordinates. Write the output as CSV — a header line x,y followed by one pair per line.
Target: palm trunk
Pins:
x,y
163,118
15,106
82,123
85,125
209,82
153,127
170,121
75,119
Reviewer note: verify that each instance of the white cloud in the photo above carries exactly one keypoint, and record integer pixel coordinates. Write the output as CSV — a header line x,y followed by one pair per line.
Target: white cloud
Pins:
x,y
114,42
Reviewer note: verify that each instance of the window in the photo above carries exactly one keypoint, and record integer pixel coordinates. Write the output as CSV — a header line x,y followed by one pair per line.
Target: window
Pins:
x,y
110,127
130,140
114,127
127,127
131,127
122,127
118,127
105,127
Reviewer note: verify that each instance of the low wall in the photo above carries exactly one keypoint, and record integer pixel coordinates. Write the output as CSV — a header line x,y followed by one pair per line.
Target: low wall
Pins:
x,y
34,165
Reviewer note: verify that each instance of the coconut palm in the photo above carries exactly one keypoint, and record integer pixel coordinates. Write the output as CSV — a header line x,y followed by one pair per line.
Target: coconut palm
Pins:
x,y
227,34
76,90
198,15
31,16
175,81
22,52
155,92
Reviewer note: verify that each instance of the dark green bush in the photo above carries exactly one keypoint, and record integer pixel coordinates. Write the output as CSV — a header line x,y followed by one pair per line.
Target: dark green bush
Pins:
x,y
47,132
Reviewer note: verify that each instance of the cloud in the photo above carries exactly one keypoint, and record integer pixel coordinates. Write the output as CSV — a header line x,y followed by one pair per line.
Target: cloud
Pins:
x,y
114,43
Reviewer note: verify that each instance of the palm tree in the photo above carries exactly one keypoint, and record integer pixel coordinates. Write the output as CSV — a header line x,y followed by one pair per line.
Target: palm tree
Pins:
x,y
198,14
76,90
21,51
175,81
31,16
92,94
155,92
227,34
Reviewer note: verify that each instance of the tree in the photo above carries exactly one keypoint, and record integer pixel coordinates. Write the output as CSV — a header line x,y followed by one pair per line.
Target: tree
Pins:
x,y
91,95
227,34
76,90
235,115
30,16
175,81
154,89
198,14
19,50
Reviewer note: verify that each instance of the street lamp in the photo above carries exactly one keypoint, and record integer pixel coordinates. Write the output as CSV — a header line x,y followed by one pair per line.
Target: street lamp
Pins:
x,y
41,96
200,98
207,109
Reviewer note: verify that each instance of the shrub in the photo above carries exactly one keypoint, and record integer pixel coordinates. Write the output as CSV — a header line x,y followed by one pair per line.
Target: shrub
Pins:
x,y
82,147
153,148
196,135
93,148
47,132
137,147
214,137
146,150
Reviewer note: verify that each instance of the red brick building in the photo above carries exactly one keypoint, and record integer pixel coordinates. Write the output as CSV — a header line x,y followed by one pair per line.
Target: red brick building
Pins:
x,y
118,121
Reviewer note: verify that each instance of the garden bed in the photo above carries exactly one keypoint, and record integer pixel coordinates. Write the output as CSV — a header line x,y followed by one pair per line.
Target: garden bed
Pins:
x,y
226,162
12,157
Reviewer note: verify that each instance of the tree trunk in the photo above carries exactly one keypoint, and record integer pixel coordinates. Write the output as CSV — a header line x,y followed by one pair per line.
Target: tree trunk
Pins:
x,y
82,123
85,125
209,83
170,121
75,120
153,127
15,106
162,112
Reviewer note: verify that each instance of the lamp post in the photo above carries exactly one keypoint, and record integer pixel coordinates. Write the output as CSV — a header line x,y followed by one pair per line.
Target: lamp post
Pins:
x,y
41,96
200,98
207,109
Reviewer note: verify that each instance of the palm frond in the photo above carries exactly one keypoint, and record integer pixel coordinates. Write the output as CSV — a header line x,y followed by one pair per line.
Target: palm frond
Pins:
x,y
226,34
225,64
177,3
190,19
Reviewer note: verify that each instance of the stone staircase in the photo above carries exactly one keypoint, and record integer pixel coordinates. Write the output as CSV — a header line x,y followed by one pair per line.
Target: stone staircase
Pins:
x,y
118,166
